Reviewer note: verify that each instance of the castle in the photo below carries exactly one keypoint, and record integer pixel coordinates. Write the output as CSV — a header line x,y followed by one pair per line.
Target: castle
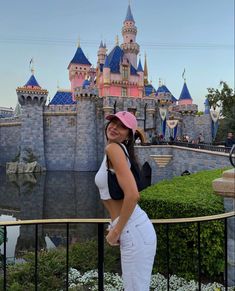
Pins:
x,y
68,133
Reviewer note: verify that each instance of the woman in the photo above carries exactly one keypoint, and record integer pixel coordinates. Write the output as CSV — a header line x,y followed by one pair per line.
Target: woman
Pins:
x,y
130,226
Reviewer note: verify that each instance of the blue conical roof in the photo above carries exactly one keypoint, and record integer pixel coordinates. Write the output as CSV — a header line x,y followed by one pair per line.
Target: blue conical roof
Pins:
x,y
129,16
185,93
80,58
32,82
140,68
114,59
149,89
101,44
162,89
106,62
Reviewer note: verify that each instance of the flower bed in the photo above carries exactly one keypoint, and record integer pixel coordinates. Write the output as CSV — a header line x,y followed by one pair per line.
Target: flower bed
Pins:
x,y
113,282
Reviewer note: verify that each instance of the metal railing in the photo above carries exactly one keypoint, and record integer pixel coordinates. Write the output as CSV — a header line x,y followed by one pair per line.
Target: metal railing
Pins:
x,y
100,223
201,146
232,156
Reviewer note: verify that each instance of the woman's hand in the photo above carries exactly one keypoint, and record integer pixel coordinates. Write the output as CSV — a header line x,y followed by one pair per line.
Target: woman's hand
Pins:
x,y
112,237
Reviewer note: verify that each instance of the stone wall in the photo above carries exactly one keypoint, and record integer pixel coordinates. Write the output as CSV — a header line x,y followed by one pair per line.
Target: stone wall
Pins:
x,y
32,135
10,131
169,161
60,140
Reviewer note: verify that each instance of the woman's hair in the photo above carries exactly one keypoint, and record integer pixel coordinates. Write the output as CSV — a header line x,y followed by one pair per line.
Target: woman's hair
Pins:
x,y
129,143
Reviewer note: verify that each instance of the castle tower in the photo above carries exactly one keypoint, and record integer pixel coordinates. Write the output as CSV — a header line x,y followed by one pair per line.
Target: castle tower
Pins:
x,y
106,77
185,97
101,53
129,31
32,99
86,136
79,68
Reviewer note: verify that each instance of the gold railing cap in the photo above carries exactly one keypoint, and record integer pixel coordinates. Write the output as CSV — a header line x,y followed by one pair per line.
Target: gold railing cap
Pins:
x,y
107,220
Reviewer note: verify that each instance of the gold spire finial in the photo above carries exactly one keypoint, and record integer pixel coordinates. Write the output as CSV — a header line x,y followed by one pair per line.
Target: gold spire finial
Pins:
x,y
58,87
79,42
117,40
159,82
145,70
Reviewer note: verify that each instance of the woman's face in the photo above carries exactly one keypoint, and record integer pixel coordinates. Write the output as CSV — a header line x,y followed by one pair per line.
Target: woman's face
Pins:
x,y
117,131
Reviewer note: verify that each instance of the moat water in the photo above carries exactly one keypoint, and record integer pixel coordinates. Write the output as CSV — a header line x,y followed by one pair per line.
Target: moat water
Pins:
x,y
43,196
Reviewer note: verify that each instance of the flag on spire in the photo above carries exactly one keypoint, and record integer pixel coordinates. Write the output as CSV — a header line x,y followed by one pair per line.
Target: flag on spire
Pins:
x,y
183,74
31,65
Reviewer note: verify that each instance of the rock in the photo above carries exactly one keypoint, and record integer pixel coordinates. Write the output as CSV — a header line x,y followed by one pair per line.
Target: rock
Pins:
x,y
20,168
11,168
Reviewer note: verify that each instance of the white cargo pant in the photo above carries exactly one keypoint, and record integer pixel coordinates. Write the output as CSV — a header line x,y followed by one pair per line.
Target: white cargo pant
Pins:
x,y
138,248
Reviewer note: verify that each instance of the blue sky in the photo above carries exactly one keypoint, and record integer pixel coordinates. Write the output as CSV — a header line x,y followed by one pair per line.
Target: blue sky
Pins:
x,y
195,35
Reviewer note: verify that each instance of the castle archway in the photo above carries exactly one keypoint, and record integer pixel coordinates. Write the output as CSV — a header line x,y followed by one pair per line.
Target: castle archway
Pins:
x,y
146,173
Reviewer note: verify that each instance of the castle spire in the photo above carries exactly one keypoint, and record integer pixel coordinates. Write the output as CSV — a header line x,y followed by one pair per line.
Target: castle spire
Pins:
x,y
145,70
129,32
79,45
116,40
129,16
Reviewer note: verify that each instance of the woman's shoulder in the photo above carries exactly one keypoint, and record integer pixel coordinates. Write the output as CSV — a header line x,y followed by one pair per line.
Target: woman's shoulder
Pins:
x,y
115,147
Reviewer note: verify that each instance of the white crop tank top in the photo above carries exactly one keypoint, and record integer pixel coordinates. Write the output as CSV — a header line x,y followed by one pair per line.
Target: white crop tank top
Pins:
x,y
101,177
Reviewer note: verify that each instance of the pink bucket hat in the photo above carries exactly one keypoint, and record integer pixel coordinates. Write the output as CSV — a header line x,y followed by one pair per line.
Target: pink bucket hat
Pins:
x,y
127,118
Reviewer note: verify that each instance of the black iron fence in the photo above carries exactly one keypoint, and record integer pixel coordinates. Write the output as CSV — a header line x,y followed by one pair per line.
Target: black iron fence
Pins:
x,y
100,232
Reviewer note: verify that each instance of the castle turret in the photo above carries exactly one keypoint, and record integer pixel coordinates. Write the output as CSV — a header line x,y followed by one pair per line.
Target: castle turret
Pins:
x,y
185,97
185,102
32,99
86,136
106,76
78,69
129,31
101,53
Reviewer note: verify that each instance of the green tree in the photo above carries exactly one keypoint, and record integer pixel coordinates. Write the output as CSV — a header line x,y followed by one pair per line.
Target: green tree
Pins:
x,y
224,99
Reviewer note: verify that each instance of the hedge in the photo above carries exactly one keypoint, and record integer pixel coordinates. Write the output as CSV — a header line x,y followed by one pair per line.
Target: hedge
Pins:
x,y
181,197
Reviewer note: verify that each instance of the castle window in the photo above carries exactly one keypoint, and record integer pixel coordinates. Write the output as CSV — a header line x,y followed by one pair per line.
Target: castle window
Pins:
x,y
125,72
124,91
71,122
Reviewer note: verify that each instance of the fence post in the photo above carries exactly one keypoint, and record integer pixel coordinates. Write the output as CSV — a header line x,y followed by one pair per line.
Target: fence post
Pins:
x,y
100,256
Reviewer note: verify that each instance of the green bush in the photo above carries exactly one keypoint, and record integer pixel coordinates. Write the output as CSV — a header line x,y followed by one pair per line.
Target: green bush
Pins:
x,y
84,257
187,196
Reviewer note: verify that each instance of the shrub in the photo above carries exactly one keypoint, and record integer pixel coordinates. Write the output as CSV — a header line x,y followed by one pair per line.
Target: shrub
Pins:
x,y
187,196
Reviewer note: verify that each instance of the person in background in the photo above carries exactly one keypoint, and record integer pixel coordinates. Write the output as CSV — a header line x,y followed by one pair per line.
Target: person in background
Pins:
x,y
138,141
130,227
229,142
201,138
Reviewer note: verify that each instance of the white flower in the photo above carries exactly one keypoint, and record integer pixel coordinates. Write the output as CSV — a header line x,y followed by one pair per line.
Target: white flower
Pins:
x,y
113,282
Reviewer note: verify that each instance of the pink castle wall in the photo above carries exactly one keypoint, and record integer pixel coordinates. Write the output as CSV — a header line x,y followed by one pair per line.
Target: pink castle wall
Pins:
x,y
185,102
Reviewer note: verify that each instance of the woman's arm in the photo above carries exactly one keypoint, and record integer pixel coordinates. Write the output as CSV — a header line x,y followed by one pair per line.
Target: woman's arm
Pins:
x,y
127,182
